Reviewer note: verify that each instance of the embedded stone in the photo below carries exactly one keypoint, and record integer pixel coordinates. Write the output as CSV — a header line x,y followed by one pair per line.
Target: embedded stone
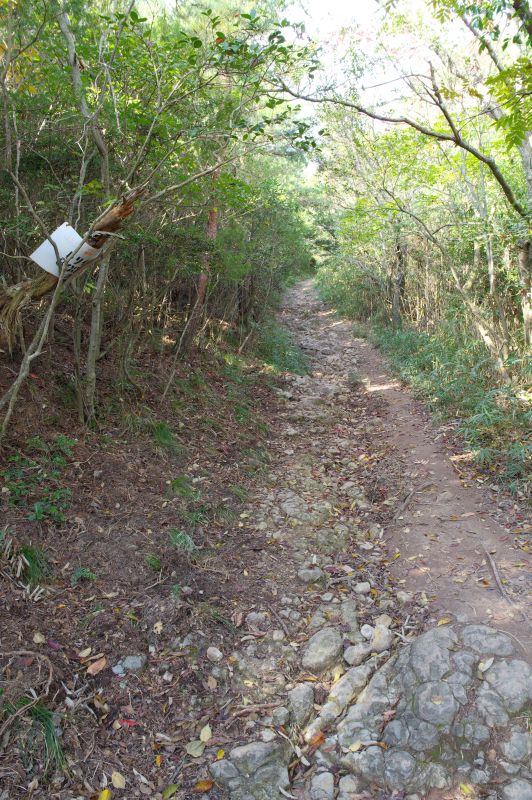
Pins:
x,y
301,699
400,767
512,680
322,650
518,746
322,786
517,790
487,641
435,703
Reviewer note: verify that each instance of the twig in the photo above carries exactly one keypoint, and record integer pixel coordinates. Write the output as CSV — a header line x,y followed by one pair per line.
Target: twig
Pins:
x,y
496,575
279,620
23,709
409,497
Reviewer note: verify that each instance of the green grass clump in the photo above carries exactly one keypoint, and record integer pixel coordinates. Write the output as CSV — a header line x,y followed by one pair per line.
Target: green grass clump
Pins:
x,y
81,574
276,348
36,566
43,724
165,439
182,541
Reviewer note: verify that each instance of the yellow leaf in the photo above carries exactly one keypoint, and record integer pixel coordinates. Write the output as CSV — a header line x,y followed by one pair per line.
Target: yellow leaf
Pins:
x,y
158,627
118,780
204,786
220,754
170,791
466,789
205,733
158,760
85,653
355,747
105,795
444,621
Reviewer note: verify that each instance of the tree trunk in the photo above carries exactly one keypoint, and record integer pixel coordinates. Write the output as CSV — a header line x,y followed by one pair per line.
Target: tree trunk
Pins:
x,y
193,322
399,283
525,275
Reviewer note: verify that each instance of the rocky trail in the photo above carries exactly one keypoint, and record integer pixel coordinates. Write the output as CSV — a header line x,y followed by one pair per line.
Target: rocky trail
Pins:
x,y
387,651
358,629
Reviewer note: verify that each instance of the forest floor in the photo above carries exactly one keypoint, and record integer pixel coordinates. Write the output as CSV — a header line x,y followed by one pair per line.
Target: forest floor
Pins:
x,y
354,509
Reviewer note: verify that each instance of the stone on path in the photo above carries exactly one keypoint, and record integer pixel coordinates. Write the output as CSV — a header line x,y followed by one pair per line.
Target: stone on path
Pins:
x,y
322,650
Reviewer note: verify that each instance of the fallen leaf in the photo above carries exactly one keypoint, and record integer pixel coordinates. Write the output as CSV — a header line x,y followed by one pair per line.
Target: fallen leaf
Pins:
x,y
205,733
118,780
485,665
212,683
158,627
204,786
169,791
97,666
105,795
466,789
220,754
158,760
85,653
444,621
39,638
355,747
195,748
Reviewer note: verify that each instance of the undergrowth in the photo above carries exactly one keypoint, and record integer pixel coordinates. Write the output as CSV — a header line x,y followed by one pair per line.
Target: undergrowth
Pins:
x,y
276,348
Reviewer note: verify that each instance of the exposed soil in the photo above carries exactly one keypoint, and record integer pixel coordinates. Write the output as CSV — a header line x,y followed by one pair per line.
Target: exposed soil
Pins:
x,y
350,478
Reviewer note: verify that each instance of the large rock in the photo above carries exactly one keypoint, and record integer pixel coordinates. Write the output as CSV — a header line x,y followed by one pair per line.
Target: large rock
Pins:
x,y
301,700
256,771
322,650
517,790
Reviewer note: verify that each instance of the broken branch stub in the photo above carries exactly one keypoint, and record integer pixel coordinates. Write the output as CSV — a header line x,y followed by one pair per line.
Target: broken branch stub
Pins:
x,y
14,299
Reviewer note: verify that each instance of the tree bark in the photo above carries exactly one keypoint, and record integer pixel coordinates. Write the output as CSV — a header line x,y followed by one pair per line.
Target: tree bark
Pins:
x,y
525,274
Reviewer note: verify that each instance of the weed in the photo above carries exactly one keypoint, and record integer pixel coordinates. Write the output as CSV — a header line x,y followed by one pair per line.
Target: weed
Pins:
x,y
176,590
181,485
33,480
36,566
81,574
154,562
277,349
239,492
165,439
43,721
182,541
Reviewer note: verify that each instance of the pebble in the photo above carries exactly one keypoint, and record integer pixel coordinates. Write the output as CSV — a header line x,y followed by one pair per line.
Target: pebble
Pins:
x,y
214,655
322,650
404,597
367,631
310,575
362,588
322,786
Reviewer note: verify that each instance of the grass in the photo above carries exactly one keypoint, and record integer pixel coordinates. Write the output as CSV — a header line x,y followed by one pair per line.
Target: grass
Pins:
x,y
36,567
276,348
164,438
458,381
43,724
182,541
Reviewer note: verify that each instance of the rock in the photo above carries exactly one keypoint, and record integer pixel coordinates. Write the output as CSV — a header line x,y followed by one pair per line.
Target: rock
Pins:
x,y
479,777
322,786
348,786
369,764
249,757
268,735
381,639
367,631
301,700
134,663
322,650
257,620
518,746
223,771
404,597
435,703
278,635
327,597
490,706
356,654
310,574
512,680
517,790
399,768
487,641
280,716
364,587
384,619
214,655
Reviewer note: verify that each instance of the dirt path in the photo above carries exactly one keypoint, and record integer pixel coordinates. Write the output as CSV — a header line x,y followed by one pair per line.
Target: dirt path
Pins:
x,y
445,529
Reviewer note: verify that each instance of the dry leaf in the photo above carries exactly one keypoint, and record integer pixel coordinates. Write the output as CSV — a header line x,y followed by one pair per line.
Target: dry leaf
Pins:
x,y
85,653
97,666
204,786
195,748
105,795
444,621
158,627
212,683
205,733
485,665
355,747
220,754
118,780
466,789
158,760
38,638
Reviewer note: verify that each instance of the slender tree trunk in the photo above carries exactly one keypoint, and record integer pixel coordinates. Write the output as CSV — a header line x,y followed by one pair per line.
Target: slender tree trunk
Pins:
x,y
194,321
525,274
399,283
